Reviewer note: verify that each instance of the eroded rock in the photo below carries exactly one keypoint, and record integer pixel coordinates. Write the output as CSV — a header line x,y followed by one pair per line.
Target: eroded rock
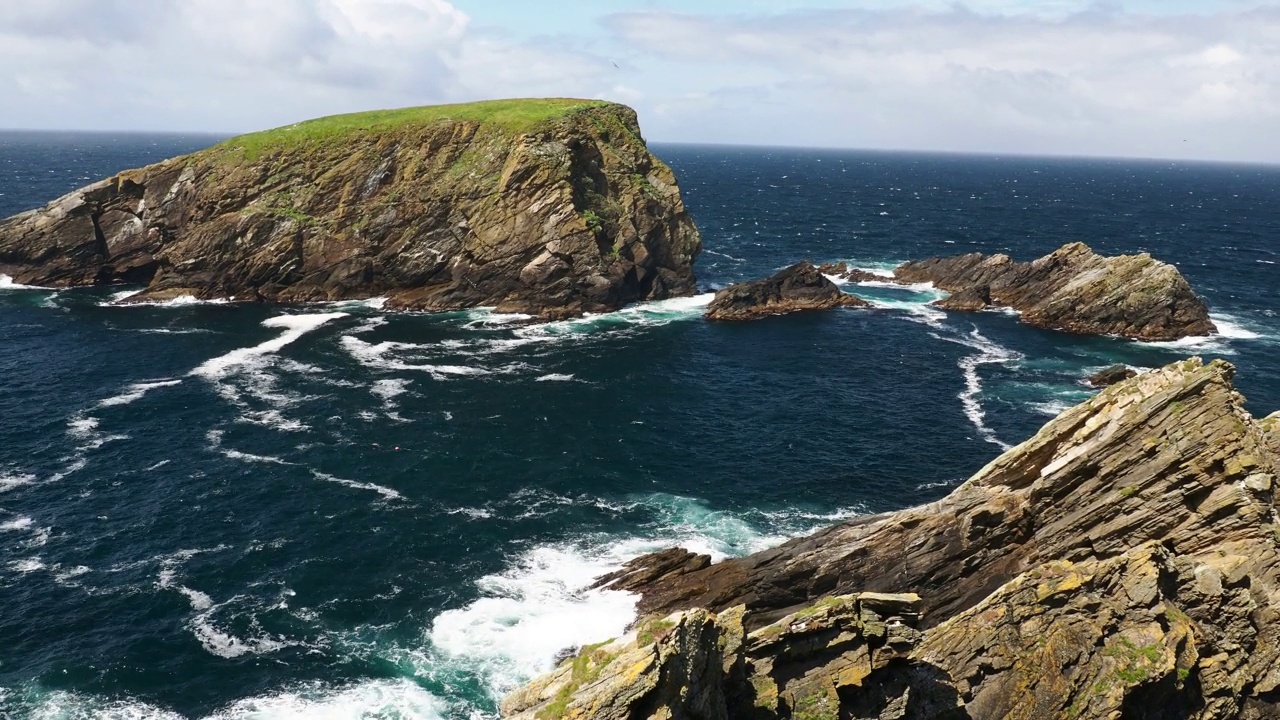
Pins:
x,y
1074,289
443,209
794,289
1111,375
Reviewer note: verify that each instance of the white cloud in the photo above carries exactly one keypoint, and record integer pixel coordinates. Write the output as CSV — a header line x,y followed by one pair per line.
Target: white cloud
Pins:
x,y
244,64
1013,76
1097,82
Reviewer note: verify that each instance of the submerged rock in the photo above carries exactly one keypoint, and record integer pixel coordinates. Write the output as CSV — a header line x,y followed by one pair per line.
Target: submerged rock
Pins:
x,y
1123,562
799,287
1076,290
551,207
1110,376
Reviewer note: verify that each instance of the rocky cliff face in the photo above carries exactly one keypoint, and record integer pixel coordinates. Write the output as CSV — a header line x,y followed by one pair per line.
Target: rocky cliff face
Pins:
x,y
553,207
1124,563
793,289
1073,289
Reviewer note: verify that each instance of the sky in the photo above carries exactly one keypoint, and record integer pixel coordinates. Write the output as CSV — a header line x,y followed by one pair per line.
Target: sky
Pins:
x,y
1186,79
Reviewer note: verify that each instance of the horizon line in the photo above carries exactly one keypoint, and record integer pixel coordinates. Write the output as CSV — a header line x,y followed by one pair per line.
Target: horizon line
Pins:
x,y
993,154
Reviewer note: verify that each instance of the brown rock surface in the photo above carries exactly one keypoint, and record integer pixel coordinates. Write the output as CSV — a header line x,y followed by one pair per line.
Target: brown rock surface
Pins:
x,y
1124,562
552,207
970,299
1110,376
794,289
1076,290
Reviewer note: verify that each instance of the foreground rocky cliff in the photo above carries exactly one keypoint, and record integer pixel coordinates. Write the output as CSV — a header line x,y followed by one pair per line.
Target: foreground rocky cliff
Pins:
x,y
1072,289
553,207
1122,563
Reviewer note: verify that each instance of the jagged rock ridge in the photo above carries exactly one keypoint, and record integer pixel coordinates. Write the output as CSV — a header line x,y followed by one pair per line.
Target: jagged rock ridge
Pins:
x,y
1124,562
553,207
1072,289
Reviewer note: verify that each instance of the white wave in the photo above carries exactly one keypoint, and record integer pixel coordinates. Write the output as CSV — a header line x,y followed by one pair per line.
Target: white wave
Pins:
x,y
645,314
377,303
399,699
28,565
540,604
1232,328
1052,408
228,646
16,524
7,283
85,428
724,255
75,464
915,310
389,699
385,492
378,357
135,392
555,377
82,427
989,353
295,327
390,389
13,481
485,316
273,419
250,457
184,301
119,296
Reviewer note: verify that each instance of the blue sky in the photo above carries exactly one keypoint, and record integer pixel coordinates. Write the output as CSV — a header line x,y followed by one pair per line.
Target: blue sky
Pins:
x,y
1145,78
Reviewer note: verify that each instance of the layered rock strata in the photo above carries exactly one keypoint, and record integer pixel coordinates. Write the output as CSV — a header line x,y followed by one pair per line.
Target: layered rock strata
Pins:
x,y
797,288
1124,562
1073,289
552,207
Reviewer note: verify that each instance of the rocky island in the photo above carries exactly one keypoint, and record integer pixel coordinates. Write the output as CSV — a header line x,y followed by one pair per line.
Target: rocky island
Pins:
x,y
550,207
1072,289
1122,563
793,289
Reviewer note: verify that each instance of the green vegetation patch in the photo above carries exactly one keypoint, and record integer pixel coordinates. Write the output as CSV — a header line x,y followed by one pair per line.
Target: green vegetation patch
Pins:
x,y
513,116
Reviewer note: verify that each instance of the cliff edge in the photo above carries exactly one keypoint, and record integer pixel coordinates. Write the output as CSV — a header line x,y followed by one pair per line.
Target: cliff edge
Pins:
x,y
1122,563
551,207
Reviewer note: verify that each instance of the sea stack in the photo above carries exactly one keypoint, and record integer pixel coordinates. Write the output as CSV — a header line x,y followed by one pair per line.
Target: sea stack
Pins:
x,y
1073,289
1124,562
793,289
549,207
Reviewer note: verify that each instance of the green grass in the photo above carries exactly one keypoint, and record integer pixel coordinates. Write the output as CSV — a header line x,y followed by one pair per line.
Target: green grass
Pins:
x,y
516,116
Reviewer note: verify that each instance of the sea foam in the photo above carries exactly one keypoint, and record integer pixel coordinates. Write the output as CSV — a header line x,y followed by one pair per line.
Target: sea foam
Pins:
x,y
541,603
295,327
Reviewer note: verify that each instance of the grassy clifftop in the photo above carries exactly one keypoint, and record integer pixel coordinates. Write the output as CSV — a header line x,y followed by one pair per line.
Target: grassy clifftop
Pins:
x,y
509,116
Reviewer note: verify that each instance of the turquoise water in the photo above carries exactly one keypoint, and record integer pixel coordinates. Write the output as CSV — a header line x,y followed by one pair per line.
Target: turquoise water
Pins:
x,y
210,510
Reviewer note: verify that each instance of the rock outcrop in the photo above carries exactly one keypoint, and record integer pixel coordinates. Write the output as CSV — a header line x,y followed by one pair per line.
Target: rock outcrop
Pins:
x,y
552,207
1073,289
794,289
1111,375
1124,562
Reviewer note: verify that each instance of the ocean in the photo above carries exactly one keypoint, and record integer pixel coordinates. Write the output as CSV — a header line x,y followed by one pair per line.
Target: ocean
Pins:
x,y
334,511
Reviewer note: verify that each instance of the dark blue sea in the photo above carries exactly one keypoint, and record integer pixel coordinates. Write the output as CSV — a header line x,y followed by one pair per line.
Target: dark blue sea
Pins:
x,y
218,511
